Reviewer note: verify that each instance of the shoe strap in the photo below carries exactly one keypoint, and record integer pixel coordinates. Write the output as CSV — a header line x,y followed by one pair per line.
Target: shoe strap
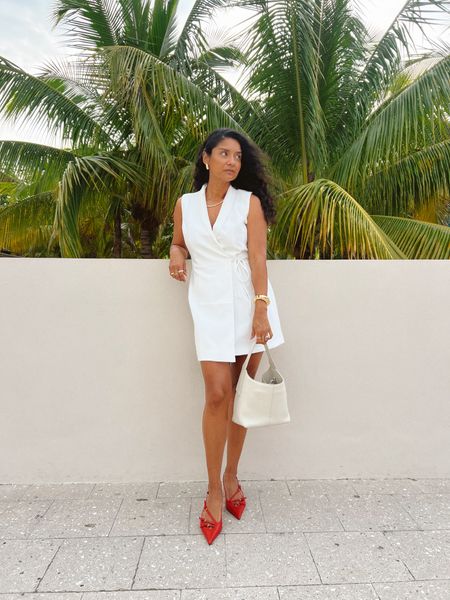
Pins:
x,y
238,489
207,510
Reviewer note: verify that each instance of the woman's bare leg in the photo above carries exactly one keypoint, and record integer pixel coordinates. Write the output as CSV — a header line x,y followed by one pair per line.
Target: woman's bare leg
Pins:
x,y
218,392
236,433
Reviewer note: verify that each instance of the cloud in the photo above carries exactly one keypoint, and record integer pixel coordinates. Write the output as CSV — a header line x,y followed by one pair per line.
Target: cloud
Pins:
x,y
27,37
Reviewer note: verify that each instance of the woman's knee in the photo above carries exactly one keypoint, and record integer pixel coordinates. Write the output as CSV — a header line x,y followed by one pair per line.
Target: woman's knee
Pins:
x,y
218,381
217,395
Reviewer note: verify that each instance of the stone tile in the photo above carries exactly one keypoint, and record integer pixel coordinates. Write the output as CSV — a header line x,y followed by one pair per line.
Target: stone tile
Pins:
x,y
299,513
333,488
78,518
139,490
248,593
198,489
19,519
12,491
269,559
413,590
182,489
354,591
138,595
152,517
430,511
386,486
87,564
43,596
276,487
24,562
51,491
355,557
432,486
125,595
373,512
252,520
425,553
181,562
264,555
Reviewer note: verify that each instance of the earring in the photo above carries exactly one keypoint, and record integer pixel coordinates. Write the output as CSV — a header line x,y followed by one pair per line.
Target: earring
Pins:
x,y
207,167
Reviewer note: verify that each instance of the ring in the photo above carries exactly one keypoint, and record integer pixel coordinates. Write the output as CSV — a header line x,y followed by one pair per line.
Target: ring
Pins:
x,y
172,272
181,270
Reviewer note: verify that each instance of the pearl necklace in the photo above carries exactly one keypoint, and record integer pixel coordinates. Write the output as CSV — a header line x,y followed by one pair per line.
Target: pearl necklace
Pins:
x,y
209,205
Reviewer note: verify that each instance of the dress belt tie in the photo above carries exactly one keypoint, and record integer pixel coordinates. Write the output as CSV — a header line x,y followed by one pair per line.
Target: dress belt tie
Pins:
x,y
243,270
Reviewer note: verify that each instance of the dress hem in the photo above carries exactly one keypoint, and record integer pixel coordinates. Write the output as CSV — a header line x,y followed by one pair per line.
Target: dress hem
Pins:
x,y
255,349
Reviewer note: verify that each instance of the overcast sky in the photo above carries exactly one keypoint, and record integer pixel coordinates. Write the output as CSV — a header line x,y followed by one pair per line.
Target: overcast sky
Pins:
x,y
28,40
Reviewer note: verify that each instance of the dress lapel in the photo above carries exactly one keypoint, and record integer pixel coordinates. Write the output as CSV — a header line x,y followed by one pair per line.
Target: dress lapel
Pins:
x,y
224,209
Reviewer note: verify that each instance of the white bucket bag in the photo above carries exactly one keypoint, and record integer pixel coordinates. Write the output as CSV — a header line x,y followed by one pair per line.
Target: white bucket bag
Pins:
x,y
260,403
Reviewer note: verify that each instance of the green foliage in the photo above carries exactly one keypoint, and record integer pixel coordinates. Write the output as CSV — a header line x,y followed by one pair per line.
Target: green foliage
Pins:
x,y
358,139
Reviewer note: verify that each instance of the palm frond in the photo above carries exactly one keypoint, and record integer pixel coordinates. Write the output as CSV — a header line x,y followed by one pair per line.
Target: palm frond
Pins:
x,y
85,175
91,23
384,59
402,186
282,76
169,41
42,102
416,239
138,78
26,223
341,48
322,216
402,124
8,187
190,43
37,163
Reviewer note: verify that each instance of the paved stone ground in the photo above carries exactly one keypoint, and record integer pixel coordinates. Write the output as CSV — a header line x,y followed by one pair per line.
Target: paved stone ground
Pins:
x,y
346,539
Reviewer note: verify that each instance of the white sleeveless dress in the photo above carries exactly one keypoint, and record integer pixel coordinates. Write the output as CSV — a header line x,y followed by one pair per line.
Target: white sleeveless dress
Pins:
x,y
220,292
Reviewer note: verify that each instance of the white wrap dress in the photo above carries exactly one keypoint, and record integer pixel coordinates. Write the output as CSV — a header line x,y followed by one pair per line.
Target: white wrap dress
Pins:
x,y
220,292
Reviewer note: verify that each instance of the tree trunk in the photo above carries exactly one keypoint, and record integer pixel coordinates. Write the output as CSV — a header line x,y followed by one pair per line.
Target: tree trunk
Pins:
x,y
146,245
148,229
117,249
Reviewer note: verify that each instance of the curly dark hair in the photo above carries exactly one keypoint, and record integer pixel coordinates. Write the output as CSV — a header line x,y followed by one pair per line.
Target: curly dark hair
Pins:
x,y
252,175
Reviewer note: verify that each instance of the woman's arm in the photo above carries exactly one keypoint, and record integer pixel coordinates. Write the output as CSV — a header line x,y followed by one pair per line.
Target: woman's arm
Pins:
x,y
178,251
257,248
257,245
177,238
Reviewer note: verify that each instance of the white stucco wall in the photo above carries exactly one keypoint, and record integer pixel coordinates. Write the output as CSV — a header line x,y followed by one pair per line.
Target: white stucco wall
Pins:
x,y
100,381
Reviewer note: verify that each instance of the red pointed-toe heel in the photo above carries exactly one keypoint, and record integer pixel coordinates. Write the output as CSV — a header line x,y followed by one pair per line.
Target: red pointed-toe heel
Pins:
x,y
236,507
210,530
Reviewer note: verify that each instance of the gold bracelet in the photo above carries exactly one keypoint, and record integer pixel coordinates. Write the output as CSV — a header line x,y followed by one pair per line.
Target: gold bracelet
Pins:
x,y
262,297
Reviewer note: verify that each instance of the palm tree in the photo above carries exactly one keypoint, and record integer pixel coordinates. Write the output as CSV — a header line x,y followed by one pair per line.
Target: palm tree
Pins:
x,y
132,110
360,144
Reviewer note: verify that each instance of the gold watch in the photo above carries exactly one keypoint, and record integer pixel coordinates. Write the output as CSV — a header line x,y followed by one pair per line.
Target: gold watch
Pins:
x,y
262,297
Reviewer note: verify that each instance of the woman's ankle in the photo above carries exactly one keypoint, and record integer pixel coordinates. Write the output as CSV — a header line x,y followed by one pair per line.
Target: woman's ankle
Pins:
x,y
230,473
215,488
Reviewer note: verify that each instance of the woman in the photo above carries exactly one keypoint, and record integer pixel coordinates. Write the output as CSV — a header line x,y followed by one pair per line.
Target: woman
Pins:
x,y
223,227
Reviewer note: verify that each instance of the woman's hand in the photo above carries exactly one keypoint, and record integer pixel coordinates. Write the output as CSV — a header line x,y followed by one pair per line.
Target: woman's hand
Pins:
x,y
177,264
261,326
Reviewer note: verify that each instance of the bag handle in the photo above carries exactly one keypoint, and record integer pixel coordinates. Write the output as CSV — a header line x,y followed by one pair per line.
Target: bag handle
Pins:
x,y
272,364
